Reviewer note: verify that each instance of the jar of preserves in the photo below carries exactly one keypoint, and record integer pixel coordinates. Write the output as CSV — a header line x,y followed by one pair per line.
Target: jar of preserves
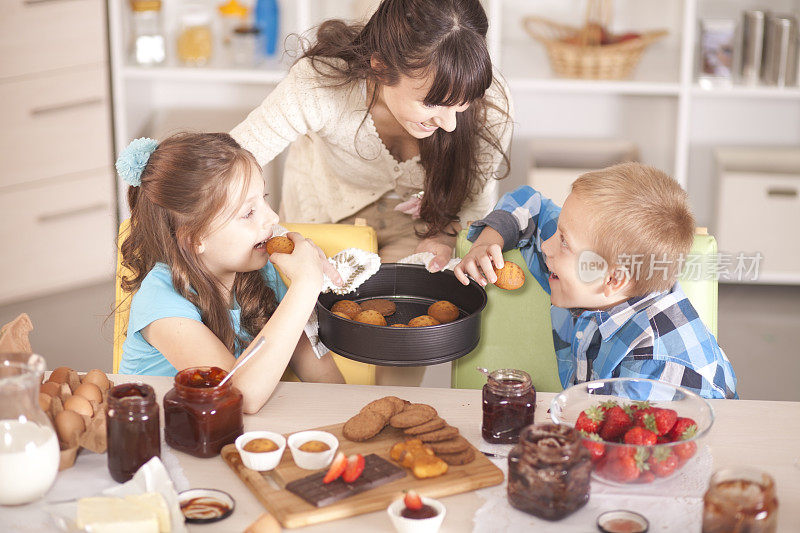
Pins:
x,y
740,499
549,471
132,429
508,403
200,416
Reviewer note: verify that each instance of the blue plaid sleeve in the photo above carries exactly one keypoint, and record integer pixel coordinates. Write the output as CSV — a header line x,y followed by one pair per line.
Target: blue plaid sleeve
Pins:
x,y
536,218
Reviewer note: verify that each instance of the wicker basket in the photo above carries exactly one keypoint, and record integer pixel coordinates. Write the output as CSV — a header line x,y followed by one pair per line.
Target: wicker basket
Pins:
x,y
570,57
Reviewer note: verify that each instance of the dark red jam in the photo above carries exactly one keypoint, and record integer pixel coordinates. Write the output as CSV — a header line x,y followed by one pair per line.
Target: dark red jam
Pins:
x,y
426,511
508,403
132,429
200,417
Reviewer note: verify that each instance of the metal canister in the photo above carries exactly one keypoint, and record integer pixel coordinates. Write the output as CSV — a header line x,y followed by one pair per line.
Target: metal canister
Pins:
x,y
753,23
780,51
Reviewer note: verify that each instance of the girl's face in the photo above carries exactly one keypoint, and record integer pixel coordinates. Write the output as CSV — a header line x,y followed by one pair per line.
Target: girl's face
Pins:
x,y
235,242
405,102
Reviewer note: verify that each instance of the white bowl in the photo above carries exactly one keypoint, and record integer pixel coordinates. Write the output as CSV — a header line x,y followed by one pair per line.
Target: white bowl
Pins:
x,y
414,525
261,461
312,460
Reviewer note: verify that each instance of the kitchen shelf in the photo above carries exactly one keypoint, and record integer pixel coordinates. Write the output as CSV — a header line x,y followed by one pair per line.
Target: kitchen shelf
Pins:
x,y
741,91
205,74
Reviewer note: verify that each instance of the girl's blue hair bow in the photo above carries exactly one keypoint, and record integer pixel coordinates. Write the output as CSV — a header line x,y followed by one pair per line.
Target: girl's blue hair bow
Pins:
x,y
133,159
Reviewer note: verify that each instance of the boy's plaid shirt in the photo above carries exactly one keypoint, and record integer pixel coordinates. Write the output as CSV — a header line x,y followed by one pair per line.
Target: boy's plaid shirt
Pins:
x,y
659,336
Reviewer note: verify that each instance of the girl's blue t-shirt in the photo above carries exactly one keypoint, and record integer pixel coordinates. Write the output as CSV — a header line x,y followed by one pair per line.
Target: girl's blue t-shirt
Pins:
x,y
156,299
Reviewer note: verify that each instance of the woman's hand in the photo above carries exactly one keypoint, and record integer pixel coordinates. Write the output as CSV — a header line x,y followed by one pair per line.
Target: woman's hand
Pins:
x,y
441,246
479,262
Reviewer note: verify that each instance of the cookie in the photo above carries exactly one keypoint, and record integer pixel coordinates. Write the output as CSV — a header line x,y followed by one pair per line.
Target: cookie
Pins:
x,y
413,415
381,305
363,426
458,458
430,425
371,317
280,245
446,433
443,311
422,321
458,444
387,407
509,277
348,307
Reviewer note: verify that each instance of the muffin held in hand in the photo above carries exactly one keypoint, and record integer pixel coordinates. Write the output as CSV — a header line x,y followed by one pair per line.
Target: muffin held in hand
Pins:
x,y
443,311
370,317
510,277
348,307
280,245
422,321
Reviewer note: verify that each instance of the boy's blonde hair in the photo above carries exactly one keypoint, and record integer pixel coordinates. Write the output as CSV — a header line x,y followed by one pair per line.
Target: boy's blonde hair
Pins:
x,y
639,219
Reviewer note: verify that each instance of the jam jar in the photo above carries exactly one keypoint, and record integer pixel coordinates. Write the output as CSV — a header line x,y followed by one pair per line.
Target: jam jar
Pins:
x,y
740,499
132,429
549,471
200,417
508,402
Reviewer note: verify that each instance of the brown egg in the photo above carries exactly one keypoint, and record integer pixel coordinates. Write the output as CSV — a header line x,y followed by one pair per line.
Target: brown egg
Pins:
x,y
90,391
59,375
98,378
69,425
79,404
44,401
50,388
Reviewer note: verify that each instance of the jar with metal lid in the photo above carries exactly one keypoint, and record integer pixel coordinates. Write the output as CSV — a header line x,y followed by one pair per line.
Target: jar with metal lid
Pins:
x,y
200,416
148,45
740,499
132,429
195,39
549,471
508,404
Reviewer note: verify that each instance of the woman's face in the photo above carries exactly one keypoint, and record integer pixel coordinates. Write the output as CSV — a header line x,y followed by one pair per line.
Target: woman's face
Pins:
x,y
405,102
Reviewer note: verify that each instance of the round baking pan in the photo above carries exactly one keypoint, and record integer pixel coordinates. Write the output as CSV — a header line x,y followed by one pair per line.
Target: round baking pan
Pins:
x,y
412,289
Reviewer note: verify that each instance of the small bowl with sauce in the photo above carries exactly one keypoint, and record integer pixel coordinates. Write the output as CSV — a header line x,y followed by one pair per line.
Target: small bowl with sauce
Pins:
x,y
203,506
261,450
313,450
426,520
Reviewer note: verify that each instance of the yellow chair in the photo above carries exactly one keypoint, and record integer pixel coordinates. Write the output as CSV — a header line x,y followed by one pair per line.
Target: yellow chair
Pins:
x,y
332,238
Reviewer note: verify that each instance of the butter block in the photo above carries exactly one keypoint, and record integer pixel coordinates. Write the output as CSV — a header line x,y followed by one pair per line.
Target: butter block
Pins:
x,y
114,515
155,503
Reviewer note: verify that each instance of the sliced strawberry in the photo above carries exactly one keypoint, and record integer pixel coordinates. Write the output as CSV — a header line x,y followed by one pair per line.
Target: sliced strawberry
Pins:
x,y
640,436
590,420
682,425
355,465
412,500
616,424
337,468
662,462
594,444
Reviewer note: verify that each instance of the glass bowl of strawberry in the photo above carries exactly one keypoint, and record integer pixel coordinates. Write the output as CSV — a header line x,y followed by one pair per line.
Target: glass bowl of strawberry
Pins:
x,y
637,430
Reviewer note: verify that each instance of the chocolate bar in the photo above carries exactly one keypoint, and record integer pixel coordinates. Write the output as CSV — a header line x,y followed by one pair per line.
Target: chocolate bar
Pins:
x,y
377,471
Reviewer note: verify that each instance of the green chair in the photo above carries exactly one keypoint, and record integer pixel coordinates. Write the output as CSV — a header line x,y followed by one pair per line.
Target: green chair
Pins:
x,y
515,325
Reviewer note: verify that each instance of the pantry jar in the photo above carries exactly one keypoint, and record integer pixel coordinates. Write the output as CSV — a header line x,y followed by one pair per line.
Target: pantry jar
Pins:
x,y
132,429
508,403
200,416
195,40
549,471
740,499
148,45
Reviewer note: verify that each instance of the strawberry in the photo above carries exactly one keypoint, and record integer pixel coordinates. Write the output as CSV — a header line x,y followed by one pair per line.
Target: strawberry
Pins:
x,y
616,424
337,468
638,412
639,436
355,465
684,451
412,500
663,462
590,420
608,404
665,419
679,429
594,444
625,467
646,477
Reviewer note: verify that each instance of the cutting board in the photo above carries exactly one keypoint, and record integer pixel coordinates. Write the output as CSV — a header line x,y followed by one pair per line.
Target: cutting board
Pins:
x,y
293,511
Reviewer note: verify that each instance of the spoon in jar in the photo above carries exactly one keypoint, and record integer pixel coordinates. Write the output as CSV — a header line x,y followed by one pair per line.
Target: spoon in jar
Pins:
x,y
483,371
259,343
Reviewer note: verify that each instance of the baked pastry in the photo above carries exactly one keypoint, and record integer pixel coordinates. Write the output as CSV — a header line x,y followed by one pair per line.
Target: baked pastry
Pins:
x,y
381,305
413,415
510,277
443,311
445,433
422,321
363,426
348,307
458,444
400,325
370,317
343,315
430,425
280,245
419,457
459,458
387,407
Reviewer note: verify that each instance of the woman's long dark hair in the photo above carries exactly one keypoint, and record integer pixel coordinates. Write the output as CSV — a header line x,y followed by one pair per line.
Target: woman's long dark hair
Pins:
x,y
185,185
442,38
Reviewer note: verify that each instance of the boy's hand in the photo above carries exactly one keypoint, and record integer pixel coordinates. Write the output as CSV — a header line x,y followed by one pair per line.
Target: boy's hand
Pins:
x,y
485,254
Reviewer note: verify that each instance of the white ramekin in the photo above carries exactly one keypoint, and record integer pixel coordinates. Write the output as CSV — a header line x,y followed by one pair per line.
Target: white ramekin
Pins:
x,y
312,460
261,461
413,525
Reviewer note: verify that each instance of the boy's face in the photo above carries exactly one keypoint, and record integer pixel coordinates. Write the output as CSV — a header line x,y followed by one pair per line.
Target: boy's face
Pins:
x,y
566,253
234,241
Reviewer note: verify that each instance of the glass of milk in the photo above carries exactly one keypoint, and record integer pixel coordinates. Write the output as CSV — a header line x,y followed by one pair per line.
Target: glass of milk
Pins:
x,y
28,445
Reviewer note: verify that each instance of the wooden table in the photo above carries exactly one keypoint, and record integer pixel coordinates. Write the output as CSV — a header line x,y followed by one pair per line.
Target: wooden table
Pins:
x,y
763,434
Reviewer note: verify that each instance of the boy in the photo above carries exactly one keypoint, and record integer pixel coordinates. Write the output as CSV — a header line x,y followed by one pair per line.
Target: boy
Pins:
x,y
610,259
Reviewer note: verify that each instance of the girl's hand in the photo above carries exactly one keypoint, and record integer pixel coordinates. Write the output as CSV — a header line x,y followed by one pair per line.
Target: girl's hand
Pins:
x,y
304,265
486,253
441,246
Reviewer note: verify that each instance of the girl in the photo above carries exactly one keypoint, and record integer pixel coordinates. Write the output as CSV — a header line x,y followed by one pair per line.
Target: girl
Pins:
x,y
205,287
